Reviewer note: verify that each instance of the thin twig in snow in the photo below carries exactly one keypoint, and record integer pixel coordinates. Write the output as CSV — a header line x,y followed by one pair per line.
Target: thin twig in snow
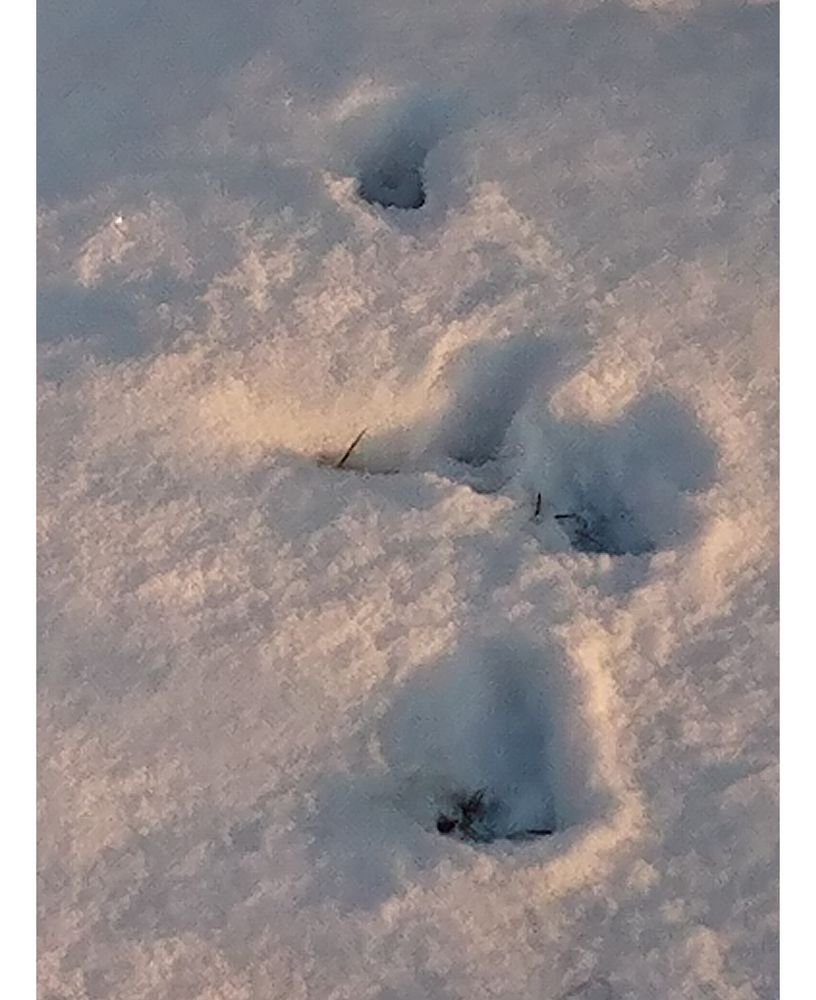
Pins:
x,y
350,449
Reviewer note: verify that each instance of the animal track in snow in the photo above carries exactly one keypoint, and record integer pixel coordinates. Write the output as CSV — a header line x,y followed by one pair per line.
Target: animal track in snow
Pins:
x,y
392,146
491,384
622,489
513,737
487,739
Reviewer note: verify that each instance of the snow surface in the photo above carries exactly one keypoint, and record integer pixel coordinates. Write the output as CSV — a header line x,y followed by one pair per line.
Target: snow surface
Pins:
x,y
262,677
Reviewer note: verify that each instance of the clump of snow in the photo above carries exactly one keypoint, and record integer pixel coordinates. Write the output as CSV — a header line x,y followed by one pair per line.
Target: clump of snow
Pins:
x,y
545,573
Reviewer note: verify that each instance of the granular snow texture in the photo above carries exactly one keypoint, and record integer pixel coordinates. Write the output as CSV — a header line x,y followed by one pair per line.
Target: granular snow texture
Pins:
x,y
530,249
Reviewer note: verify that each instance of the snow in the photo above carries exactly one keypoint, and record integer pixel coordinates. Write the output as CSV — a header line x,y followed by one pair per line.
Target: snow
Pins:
x,y
263,677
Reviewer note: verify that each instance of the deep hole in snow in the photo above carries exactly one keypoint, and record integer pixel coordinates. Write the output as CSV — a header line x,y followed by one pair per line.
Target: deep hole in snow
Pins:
x,y
622,489
393,184
489,745
390,162
491,382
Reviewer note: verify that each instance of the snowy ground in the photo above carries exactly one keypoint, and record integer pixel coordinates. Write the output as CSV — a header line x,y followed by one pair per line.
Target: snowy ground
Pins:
x,y
262,677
